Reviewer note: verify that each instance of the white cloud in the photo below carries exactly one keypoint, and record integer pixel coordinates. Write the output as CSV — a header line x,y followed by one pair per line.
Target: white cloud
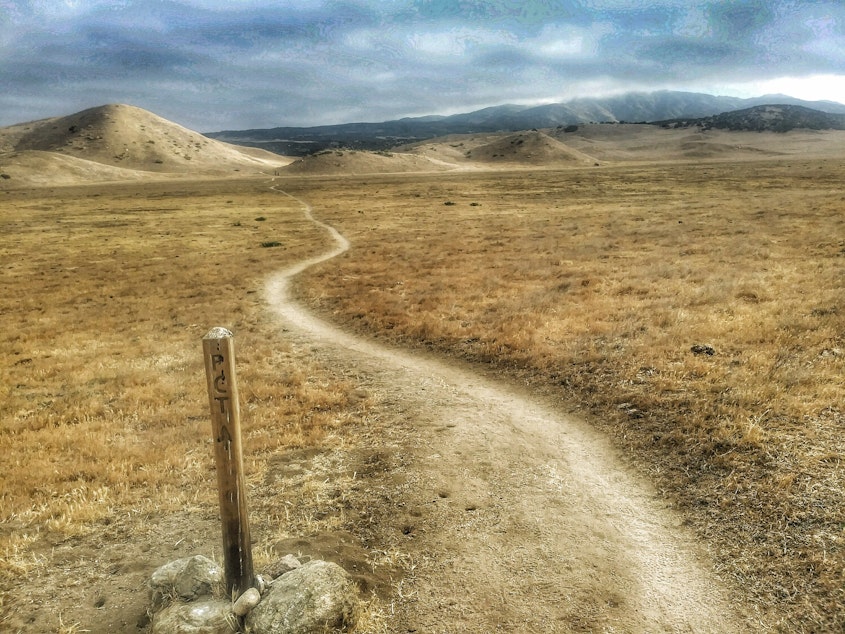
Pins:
x,y
563,42
443,43
569,47
695,24
455,42
811,88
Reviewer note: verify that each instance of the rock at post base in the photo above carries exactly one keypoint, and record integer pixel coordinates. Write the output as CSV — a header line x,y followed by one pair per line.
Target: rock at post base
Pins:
x,y
282,566
199,617
187,579
246,602
308,600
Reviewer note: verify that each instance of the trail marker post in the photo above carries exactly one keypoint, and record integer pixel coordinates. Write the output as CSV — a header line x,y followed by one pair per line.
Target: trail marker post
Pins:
x,y
218,347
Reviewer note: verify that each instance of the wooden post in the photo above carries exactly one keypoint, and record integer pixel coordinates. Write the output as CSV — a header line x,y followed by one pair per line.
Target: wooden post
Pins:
x,y
219,351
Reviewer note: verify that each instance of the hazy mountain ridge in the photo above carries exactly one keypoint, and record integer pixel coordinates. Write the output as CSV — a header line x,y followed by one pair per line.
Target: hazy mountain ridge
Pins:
x,y
766,118
633,107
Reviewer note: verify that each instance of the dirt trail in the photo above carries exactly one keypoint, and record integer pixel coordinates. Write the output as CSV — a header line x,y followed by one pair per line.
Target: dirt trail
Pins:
x,y
522,518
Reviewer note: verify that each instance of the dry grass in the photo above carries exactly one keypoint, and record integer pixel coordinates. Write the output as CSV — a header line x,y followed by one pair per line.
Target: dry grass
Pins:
x,y
100,343
107,292
592,284
595,284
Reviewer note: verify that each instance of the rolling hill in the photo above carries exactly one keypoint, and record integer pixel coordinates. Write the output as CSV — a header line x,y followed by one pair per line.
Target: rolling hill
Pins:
x,y
125,143
606,144
528,148
632,107
117,142
334,162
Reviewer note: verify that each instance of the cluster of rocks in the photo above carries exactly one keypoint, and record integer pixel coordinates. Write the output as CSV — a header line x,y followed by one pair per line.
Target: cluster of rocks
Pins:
x,y
290,598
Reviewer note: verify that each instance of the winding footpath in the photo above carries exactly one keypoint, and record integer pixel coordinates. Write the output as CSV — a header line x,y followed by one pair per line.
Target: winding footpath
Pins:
x,y
529,521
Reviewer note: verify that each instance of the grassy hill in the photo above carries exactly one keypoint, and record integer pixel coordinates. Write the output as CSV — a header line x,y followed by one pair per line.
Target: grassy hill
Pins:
x,y
111,142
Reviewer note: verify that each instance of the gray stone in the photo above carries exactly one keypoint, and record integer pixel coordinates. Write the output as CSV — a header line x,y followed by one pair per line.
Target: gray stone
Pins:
x,y
200,617
312,599
187,579
246,602
282,566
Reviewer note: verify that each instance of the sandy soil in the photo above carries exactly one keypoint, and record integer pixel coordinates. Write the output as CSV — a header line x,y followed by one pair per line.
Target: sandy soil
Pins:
x,y
517,517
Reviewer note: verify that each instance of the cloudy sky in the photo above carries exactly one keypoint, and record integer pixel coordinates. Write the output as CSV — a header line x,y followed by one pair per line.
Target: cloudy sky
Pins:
x,y
234,64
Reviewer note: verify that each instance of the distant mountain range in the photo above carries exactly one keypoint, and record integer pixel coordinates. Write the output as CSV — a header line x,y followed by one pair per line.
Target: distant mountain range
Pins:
x,y
665,107
768,118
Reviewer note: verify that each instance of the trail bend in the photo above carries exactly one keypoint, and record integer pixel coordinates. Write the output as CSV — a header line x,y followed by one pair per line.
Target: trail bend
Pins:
x,y
525,519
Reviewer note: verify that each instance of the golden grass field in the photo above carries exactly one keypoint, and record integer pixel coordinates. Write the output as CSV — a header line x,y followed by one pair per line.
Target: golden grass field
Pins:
x,y
105,442
595,284
590,284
